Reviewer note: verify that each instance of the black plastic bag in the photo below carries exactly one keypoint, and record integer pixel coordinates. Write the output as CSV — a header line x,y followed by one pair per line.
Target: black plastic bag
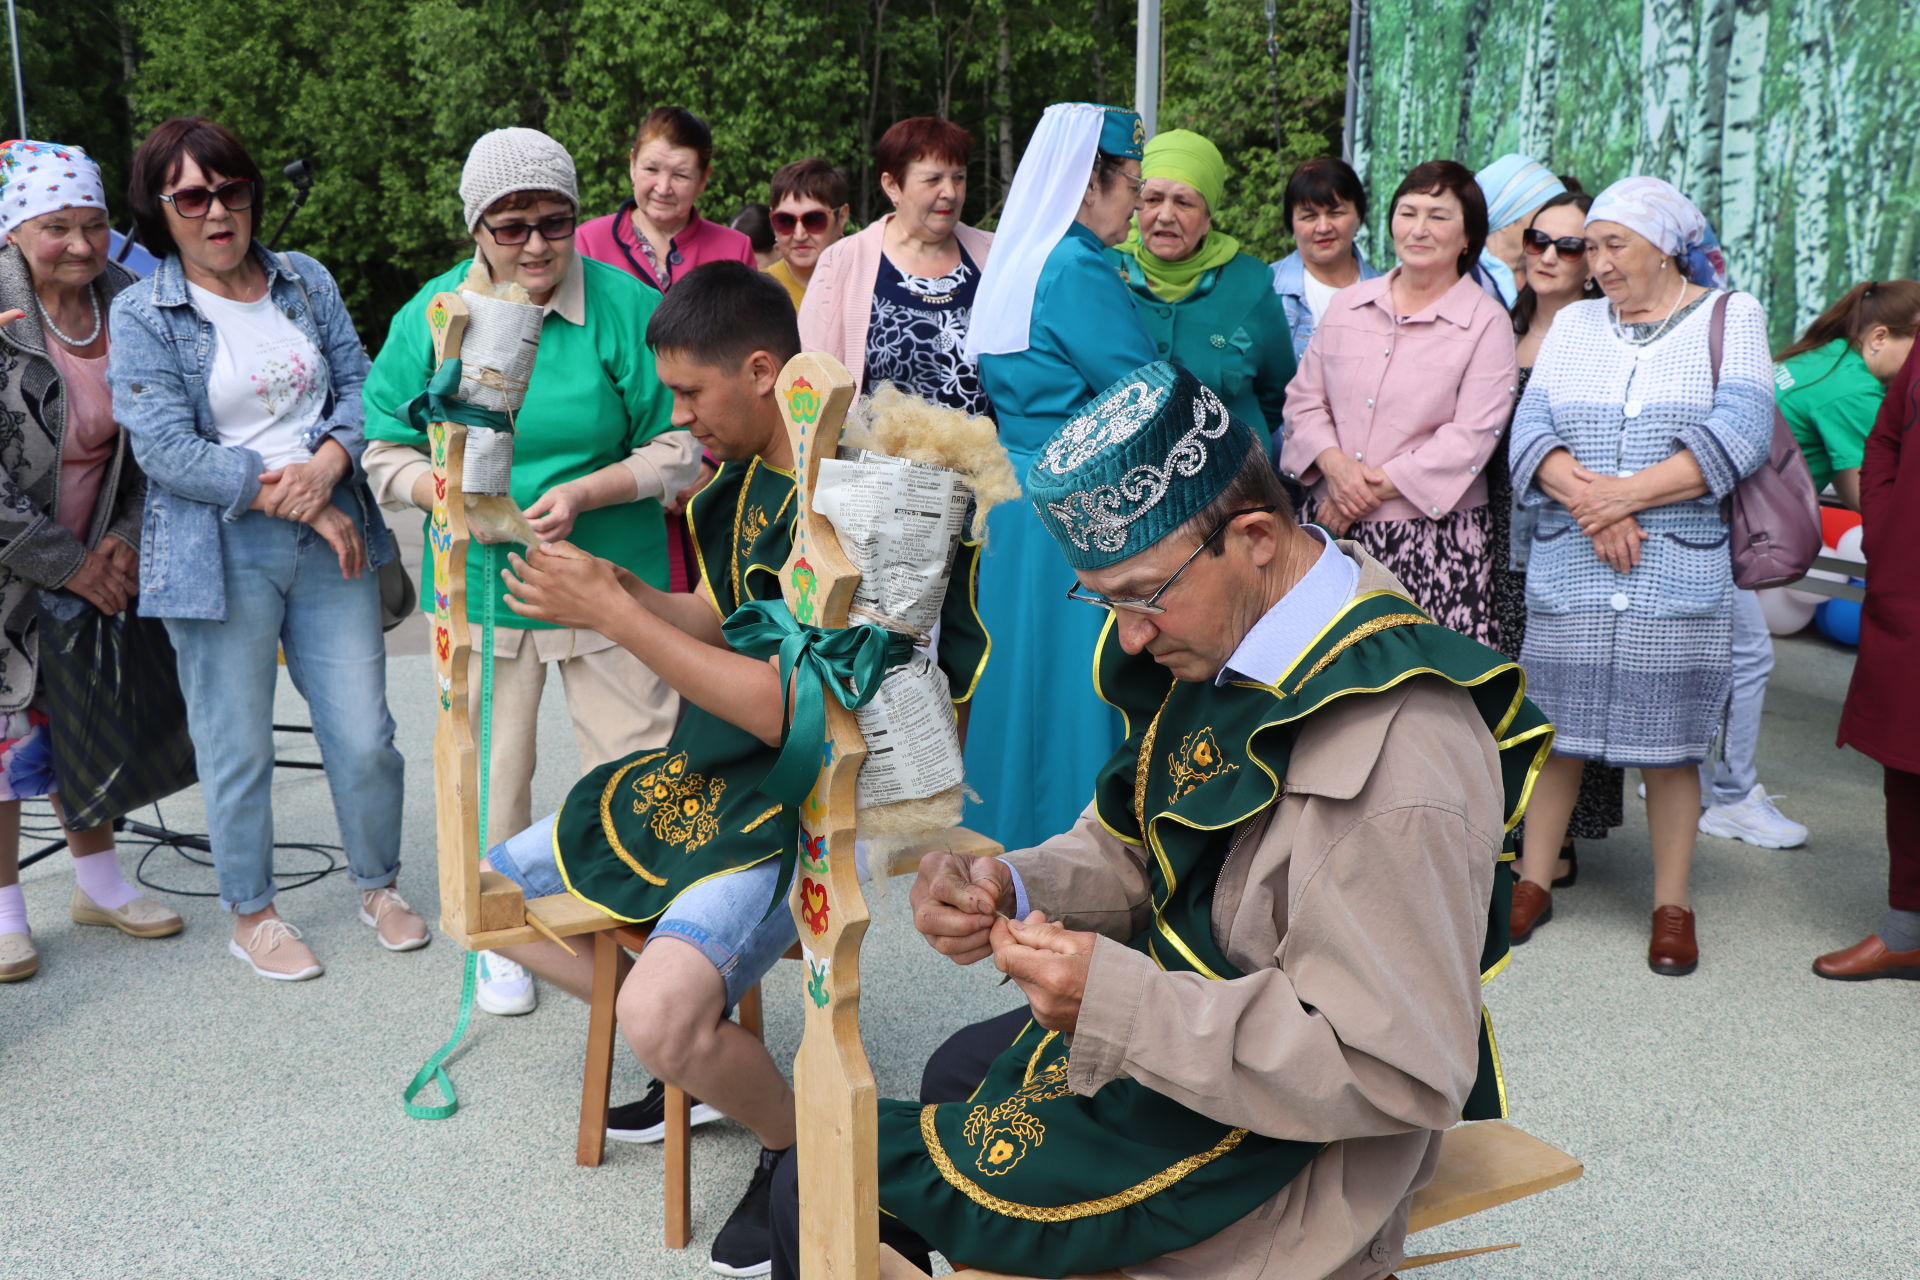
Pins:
x,y
114,707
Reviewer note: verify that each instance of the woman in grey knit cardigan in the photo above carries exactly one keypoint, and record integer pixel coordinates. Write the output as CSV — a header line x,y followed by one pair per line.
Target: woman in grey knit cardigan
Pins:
x,y
70,503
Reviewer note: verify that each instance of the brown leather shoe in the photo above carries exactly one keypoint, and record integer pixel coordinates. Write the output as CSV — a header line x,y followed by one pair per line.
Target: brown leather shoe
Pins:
x,y
1532,907
1868,959
1673,950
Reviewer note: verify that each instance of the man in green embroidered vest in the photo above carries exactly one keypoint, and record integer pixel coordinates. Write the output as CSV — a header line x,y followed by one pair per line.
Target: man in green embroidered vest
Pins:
x,y
1253,966
681,837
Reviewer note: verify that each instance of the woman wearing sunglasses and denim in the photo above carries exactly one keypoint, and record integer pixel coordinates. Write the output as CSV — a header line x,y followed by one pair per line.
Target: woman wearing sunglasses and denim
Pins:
x,y
594,454
237,374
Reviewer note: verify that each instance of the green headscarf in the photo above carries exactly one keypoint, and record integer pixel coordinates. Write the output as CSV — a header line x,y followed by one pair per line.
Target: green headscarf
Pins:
x,y
1181,155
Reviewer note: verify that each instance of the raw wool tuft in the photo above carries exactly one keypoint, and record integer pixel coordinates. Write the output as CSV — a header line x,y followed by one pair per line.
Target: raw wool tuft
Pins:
x,y
892,422
480,280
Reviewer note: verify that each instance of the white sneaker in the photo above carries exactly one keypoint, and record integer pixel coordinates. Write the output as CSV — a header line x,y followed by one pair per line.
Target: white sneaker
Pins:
x,y
502,987
1755,820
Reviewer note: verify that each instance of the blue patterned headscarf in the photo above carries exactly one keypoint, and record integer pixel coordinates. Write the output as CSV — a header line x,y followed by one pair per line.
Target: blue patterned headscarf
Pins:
x,y
1673,223
1141,459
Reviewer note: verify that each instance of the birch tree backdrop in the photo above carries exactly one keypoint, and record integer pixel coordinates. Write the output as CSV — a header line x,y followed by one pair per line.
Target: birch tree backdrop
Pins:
x,y
1790,122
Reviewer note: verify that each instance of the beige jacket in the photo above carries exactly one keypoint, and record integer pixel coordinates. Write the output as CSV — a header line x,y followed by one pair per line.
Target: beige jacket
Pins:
x,y
1357,908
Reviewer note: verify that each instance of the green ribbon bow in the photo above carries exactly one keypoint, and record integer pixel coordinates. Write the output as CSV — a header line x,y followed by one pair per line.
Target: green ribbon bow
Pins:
x,y
441,402
849,662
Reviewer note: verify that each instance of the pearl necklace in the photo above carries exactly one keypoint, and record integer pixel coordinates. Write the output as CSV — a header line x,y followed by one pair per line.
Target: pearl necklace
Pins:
x,y
46,318
1660,330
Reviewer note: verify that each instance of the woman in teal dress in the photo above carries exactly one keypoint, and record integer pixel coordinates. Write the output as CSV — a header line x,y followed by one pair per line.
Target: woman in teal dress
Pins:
x,y
1206,305
1052,327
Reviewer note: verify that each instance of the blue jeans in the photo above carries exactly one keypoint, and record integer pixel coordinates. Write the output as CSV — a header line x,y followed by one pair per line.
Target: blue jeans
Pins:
x,y
1727,777
724,918
284,589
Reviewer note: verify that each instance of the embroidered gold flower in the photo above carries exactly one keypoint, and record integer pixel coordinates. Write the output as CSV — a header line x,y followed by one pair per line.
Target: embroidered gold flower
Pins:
x,y
1197,761
682,807
1002,1137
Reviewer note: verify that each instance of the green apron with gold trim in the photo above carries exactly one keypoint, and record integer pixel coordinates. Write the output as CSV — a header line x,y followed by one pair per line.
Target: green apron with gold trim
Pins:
x,y
1027,1175
637,832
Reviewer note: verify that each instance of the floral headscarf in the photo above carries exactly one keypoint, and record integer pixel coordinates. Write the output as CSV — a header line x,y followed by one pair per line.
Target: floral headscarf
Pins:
x,y
44,177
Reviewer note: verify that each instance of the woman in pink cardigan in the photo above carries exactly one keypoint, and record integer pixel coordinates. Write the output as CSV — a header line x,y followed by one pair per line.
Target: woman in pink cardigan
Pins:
x,y
893,303
1401,399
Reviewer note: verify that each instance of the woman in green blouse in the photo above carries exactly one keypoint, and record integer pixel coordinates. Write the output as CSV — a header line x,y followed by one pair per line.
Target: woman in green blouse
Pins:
x,y
1205,304
1830,383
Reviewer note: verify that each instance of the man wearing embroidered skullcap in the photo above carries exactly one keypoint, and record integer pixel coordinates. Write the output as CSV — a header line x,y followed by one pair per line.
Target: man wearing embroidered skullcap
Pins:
x,y
1253,965
1514,186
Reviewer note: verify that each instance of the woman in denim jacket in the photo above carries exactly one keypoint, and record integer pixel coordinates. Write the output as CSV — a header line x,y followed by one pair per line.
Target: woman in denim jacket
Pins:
x,y
237,374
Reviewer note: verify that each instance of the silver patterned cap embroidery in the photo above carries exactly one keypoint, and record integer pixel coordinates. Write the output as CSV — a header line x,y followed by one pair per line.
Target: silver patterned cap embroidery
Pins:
x,y
1113,421
1101,518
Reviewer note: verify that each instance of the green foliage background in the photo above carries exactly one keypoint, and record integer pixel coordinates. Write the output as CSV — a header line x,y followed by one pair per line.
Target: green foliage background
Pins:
x,y
386,95
1790,122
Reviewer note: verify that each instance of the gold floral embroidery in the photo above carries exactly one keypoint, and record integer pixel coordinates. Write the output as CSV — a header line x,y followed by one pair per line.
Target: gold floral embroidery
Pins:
x,y
684,806
1198,760
1002,1137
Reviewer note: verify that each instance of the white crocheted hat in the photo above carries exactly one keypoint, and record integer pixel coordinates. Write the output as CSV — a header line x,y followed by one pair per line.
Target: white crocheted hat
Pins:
x,y
510,160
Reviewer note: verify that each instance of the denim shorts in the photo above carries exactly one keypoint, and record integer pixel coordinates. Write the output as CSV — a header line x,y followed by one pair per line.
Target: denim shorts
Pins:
x,y
725,918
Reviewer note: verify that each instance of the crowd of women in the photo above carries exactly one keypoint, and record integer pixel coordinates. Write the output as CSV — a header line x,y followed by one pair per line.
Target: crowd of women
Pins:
x,y
1533,419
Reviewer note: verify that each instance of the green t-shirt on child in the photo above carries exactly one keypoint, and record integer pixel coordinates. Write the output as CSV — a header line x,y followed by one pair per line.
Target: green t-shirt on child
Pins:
x,y
1830,399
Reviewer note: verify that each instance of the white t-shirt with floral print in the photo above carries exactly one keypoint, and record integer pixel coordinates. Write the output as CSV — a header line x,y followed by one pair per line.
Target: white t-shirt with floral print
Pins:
x,y
268,383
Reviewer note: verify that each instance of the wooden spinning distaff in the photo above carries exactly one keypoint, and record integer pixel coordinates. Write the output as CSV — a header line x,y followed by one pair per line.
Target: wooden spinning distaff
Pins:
x,y
481,910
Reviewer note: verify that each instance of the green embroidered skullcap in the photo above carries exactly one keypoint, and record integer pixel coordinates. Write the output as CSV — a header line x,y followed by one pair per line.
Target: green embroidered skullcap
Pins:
x,y
1141,459
1121,133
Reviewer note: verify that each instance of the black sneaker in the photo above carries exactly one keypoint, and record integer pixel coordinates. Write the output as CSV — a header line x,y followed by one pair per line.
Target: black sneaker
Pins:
x,y
744,1246
646,1120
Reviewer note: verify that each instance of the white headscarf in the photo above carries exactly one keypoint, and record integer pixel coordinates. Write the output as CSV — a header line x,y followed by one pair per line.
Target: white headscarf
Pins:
x,y
1042,203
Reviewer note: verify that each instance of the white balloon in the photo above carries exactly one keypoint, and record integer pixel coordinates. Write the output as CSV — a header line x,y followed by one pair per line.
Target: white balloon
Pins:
x,y
1789,611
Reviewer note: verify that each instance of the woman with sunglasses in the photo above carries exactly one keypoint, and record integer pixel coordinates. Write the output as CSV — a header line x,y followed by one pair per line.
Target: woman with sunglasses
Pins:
x,y
1626,441
1553,276
72,522
237,373
1401,400
894,302
809,215
1516,187
595,453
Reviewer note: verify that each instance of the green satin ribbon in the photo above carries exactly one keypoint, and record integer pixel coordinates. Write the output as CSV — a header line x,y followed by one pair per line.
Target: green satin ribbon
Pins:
x,y
441,402
849,662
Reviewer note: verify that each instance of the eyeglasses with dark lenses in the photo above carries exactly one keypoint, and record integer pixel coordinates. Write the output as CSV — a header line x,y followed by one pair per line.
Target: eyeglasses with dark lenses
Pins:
x,y
1569,246
814,220
557,226
193,202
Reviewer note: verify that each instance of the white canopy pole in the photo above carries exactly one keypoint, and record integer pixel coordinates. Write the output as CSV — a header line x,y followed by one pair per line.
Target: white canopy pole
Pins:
x,y
19,89
1146,66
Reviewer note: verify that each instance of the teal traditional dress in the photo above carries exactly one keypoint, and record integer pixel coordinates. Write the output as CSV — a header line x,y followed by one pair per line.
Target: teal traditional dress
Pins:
x,y
1231,331
637,832
1037,733
1033,1178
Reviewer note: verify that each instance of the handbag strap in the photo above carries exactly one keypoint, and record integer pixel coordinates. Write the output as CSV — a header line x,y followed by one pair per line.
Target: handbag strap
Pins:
x,y
1717,334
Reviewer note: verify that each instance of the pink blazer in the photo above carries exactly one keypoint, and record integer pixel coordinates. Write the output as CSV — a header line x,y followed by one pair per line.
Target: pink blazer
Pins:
x,y
839,303
1424,399
611,239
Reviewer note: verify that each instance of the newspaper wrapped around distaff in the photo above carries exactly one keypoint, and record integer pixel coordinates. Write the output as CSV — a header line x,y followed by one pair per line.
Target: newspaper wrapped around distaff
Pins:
x,y
496,363
909,481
